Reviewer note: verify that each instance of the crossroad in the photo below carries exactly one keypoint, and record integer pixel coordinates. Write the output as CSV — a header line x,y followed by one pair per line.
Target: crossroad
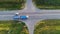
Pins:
x,y
34,14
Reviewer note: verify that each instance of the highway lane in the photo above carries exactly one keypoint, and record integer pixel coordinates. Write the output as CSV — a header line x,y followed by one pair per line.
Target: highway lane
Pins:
x,y
27,13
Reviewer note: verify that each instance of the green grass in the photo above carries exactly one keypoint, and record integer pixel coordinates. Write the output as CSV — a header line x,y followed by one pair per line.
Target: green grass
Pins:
x,y
47,4
48,7
48,26
12,4
12,27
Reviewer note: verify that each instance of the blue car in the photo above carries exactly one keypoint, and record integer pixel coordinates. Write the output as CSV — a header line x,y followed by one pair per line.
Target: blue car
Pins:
x,y
16,17
23,17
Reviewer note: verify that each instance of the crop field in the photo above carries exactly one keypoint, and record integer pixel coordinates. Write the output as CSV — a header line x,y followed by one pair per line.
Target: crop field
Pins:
x,y
12,4
11,27
48,26
47,4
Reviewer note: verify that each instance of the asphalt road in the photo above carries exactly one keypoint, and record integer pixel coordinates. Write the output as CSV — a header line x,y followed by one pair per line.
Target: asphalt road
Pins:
x,y
34,14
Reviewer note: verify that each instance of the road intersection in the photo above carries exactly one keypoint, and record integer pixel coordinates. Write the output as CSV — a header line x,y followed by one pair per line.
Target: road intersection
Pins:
x,y
34,14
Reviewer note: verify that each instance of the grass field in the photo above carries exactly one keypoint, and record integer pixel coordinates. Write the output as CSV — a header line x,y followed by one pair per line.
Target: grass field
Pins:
x,y
48,7
11,27
47,4
12,4
48,26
